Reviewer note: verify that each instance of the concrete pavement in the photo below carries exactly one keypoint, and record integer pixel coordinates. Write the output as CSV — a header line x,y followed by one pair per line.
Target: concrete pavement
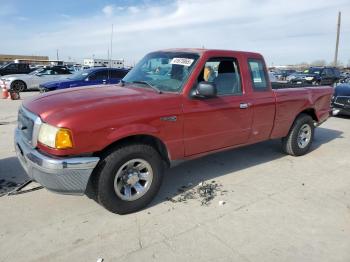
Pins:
x,y
278,208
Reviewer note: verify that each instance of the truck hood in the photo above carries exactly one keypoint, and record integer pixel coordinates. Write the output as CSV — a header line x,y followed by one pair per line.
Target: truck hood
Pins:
x,y
55,106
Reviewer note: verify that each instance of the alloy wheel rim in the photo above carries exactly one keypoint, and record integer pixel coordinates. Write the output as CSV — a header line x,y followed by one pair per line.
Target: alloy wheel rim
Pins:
x,y
133,179
18,86
304,136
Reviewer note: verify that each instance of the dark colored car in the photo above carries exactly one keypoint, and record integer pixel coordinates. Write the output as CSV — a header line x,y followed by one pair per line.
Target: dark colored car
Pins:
x,y
282,74
15,68
318,76
341,100
88,77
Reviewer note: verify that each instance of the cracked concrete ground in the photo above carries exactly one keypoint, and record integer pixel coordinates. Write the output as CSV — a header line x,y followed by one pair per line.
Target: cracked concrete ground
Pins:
x,y
278,208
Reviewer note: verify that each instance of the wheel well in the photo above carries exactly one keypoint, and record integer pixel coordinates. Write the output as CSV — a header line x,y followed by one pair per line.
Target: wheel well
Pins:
x,y
25,85
311,112
144,139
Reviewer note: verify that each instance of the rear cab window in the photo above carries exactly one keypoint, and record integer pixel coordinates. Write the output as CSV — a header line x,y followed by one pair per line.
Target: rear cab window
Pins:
x,y
258,75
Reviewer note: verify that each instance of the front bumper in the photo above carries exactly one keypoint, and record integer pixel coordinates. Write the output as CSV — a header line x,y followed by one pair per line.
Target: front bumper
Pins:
x,y
340,111
61,175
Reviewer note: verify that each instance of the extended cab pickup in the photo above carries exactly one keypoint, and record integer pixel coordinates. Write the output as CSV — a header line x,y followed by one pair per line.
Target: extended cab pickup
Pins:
x,y
174,105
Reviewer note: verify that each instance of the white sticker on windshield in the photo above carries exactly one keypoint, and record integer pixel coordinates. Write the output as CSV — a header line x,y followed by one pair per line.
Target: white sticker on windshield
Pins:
x,y
182,61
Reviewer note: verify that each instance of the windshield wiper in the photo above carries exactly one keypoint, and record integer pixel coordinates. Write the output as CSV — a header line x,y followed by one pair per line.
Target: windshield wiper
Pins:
x,y
146,83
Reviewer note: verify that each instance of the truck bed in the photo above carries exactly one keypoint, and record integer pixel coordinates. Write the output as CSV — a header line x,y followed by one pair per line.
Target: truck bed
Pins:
x,y
292,99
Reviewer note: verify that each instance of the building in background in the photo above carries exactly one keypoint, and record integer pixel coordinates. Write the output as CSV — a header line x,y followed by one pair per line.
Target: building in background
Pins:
x,y
94,62
35,59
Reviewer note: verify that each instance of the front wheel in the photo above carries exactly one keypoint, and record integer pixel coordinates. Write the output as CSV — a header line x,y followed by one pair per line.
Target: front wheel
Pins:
x,y
300,137
18,86
129,178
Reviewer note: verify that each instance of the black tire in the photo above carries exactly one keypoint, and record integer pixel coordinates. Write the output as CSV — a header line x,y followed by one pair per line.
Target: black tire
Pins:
x,y
290,143
18,86
107,171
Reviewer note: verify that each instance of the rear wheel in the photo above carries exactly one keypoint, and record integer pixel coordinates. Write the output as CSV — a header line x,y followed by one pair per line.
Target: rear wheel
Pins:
x,y
18,86
300,137
129,178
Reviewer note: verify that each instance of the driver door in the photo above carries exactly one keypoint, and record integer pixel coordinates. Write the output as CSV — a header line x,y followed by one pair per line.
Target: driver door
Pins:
x,y
221,121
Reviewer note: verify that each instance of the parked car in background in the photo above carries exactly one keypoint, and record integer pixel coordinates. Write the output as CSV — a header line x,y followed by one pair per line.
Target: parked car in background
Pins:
x,y
345,77
15,68
87,77
293,76
272,77
318,76
119,140
341,100
284,73
22,82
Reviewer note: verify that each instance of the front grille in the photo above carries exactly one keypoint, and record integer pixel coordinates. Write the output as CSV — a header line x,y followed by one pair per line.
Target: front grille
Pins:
x,y
342,100
25,125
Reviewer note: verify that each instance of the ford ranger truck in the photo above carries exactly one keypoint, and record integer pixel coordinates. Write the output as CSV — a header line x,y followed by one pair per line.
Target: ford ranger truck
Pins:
x,y
174,105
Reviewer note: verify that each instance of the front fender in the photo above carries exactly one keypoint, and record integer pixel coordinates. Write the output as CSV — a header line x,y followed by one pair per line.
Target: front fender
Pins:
x,y
116,134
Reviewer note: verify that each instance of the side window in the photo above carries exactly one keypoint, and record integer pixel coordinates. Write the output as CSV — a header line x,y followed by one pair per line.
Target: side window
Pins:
x,y
48,72
329,72
22,66
12,66
258,75
118,73
224,73
99,75
336,72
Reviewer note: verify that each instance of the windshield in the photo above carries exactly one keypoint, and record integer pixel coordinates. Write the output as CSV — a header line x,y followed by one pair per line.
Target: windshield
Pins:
x,y
166,71
79,75
36,71
316,71
4,65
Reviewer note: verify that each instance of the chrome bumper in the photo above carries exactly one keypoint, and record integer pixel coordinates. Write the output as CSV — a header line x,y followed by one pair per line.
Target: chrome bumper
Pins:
x,y
61,175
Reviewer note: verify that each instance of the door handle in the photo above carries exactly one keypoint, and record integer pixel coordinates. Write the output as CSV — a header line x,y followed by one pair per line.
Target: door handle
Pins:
x,y
244,105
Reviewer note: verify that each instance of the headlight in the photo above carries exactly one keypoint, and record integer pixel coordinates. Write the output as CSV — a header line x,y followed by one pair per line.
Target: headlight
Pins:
x,y
55,137
309,78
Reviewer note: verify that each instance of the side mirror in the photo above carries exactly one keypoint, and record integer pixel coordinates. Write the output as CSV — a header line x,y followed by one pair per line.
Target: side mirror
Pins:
x,y
205,90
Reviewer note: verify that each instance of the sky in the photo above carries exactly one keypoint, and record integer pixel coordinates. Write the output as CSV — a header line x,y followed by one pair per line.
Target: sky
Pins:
x,y
284,31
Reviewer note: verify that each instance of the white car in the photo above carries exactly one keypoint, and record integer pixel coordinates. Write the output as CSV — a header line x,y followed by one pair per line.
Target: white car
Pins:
x,y
32,80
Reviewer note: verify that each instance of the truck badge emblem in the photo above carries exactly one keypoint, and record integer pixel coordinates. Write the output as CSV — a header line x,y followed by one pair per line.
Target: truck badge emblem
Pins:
x,y
169,118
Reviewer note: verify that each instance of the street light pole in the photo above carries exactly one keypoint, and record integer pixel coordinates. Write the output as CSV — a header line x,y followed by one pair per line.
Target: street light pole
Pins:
x,y
337,40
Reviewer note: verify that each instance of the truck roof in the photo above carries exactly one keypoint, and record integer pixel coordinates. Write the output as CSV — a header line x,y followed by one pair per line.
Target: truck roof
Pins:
x,y
201,51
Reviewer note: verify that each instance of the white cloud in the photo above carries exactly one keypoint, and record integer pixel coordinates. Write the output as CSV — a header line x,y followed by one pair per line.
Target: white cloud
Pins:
x,y
284,31
108,10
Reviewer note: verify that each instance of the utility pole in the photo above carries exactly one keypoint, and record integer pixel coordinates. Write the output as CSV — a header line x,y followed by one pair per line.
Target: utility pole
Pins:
x,y
57,57
110,62
337,40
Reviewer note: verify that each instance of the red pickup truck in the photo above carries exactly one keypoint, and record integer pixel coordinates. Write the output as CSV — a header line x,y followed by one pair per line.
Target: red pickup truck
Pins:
x,y
174,105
